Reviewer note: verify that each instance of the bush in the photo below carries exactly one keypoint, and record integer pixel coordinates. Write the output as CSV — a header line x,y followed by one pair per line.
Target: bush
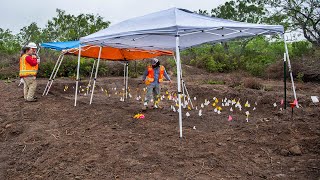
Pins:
x,y
300,48
300,76
68,68
252,83
9,73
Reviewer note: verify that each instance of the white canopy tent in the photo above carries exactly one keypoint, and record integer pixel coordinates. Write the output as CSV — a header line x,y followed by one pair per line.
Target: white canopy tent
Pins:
x,y
176,29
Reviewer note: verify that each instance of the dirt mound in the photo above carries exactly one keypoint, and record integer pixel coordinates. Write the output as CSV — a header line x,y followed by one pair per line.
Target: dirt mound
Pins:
x,y
52,139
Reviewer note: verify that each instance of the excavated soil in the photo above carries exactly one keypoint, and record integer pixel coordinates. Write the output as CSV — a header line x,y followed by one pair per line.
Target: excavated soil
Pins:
x,y
52,139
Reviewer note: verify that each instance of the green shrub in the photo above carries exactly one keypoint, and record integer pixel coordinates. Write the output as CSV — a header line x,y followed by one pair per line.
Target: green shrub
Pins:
x,y
301,47
68,68
300,76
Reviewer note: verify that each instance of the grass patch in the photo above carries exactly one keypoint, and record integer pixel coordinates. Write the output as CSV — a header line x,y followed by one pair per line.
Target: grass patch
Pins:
x,y
214,82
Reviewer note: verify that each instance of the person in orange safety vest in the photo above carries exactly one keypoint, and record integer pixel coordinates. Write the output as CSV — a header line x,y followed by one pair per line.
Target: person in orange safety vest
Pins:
x,y
153,76
29,64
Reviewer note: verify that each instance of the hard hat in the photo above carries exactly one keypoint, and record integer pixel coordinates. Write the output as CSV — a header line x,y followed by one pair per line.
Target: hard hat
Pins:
x,y
154,61
32,45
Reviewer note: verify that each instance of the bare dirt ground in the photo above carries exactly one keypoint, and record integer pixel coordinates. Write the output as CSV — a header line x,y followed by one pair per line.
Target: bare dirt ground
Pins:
x,y
52,139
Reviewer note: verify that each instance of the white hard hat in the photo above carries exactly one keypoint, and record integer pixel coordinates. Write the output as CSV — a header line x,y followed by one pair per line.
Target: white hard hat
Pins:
x,y
154,61
32,45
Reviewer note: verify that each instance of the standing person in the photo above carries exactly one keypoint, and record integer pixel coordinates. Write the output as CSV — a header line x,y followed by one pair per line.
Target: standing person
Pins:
x,y
152,77
29,63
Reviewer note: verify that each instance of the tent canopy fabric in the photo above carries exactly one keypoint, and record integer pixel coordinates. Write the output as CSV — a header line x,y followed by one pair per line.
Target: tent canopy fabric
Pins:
x,y
158,31
59,46
107,53
116,54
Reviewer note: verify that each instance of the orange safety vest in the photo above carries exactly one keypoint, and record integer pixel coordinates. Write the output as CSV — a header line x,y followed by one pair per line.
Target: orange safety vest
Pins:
x,y
26,69
150,76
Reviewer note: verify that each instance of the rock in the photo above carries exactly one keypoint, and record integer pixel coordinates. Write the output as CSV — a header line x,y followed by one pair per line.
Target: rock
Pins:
x,y
284,152
8,126
263,176
292,169
221,144
229,138
38,176
295,150
250,173
280,175
77,177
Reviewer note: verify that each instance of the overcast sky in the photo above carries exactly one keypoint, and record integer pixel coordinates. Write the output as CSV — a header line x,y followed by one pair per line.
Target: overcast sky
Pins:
x,y
15,14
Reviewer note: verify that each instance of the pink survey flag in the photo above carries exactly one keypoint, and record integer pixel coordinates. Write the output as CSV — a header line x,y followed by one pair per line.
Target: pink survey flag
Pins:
x,y
230,118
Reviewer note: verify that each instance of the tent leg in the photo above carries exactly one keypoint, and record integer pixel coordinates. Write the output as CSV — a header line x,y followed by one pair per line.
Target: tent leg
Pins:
x,y
285,80
124,74
184,95
124,79
185,87
179,83
127,77
89,85
54,69
55,74
77,80
183,92
290,71
95,76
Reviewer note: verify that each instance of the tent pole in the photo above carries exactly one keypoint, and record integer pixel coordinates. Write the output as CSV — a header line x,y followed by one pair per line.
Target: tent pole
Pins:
x,y
178,82
54,68
127,77
89,85
124,74
77,80
290,71
95,76
55,74
285,80
184,86
189,99
183,93
124,79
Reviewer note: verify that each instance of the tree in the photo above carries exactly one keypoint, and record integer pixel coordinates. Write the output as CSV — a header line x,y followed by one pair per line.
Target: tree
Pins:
x,y
243,11
8,42
70,27
301,14
30,33
238,10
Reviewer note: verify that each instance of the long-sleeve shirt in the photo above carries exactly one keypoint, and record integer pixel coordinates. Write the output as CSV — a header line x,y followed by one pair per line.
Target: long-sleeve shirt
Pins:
x,y
31,60
156,75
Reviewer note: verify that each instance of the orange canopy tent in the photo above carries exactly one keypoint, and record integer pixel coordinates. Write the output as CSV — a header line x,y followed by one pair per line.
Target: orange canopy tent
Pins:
x,y
103,53
116,54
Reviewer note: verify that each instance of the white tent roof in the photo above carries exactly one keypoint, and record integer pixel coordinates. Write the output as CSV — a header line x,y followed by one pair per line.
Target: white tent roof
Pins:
x,y
158,31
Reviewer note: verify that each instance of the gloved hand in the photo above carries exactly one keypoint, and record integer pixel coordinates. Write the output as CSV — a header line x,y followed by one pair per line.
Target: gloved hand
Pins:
x,y
38,58
21,81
